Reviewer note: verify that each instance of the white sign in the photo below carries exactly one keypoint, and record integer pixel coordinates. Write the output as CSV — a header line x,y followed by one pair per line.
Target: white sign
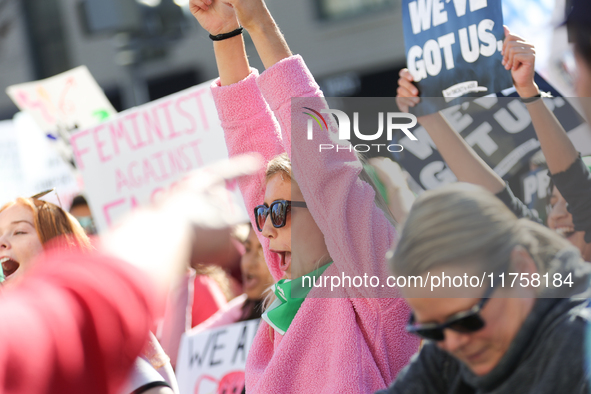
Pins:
x,y
63,102
134,157
29,164
10,164
213,361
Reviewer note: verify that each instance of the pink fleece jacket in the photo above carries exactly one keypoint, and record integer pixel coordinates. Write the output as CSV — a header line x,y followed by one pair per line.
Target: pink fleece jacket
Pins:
x,y
334,345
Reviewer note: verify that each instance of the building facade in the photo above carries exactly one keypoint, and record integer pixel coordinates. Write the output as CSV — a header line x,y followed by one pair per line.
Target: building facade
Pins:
x,y
353,47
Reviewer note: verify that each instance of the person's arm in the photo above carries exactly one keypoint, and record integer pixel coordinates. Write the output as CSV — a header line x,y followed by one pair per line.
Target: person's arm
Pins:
x,y
248,123
469,167
356,231
268,40
570,175
466,165
464,162
231,59
217,17
519,57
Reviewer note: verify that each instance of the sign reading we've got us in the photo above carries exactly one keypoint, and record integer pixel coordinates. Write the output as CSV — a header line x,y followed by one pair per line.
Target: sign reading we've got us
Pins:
x,y
453,47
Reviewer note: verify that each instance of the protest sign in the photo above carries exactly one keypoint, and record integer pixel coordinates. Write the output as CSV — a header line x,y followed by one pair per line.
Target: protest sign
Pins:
x,y
535,191
213,361
500,130
29,164
63,102
10,165
134,157
453,48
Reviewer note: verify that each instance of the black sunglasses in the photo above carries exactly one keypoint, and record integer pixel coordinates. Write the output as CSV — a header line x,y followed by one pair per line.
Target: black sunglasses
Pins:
x,y
278,210
464,322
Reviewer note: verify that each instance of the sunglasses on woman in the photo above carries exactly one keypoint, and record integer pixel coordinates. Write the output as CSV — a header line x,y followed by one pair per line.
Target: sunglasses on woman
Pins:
x,y
465,322
278,211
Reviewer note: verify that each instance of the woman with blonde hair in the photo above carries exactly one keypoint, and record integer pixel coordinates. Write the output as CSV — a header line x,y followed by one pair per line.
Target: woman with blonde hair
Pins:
x,y
315,215
490,334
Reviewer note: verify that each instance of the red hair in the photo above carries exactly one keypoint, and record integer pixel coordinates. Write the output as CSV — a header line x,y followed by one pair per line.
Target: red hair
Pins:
x,y
53,223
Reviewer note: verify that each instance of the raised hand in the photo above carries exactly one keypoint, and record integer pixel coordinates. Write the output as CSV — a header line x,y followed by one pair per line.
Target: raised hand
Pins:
x,y
252,14
407,94
519,56
215,16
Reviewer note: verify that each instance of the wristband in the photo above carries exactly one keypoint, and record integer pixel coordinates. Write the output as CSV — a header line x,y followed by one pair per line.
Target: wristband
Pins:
x,y
224,36
527,100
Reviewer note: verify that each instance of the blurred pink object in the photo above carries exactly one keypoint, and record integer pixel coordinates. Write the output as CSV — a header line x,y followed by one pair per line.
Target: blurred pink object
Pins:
x,y
228,314
192,301
74,325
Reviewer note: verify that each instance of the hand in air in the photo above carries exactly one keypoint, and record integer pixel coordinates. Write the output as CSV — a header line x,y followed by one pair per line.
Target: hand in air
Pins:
x,y
215,16
252,14
407,94
519,56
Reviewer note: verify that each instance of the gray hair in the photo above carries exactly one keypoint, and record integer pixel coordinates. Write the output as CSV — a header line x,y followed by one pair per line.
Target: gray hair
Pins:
x,y
463,223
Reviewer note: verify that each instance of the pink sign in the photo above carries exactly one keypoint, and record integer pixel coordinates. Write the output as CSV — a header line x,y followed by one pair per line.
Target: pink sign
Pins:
x,y
132,158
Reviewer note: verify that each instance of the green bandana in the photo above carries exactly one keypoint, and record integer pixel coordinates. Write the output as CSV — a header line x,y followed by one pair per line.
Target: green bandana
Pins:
x,y
283,310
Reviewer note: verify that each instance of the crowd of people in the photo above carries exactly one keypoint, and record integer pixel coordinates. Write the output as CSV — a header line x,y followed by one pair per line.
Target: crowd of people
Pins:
x,y
106,314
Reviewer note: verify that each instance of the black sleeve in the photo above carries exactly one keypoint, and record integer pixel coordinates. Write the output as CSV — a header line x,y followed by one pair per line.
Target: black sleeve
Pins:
x,y
431,371
575,186
516,205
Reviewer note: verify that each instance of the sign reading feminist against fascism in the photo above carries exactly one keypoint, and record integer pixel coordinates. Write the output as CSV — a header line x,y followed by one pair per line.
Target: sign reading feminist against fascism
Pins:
x,y
142,152
213,361
453,47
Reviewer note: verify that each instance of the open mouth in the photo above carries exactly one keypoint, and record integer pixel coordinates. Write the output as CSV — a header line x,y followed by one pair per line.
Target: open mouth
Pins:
x,y
565,231
285,259
9,266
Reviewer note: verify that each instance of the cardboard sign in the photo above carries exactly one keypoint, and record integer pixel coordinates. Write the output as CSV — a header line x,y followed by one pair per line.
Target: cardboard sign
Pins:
x,y
63,102
213,361
535,185
29,164
453,48
134,157
11,171
498,128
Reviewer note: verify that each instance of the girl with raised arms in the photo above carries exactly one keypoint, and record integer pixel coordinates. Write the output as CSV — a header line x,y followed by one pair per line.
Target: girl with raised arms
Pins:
x,y
314,214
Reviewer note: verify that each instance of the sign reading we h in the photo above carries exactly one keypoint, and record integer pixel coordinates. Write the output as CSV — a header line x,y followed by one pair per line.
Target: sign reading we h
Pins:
x,y
213,361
